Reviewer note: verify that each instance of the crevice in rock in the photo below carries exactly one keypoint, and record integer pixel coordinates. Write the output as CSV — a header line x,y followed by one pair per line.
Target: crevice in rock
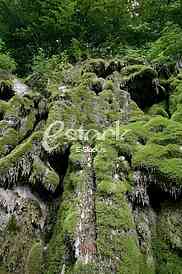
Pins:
x,y
44,194
59,162
151,191
112,67
144,92
1,115
168,90
6,91
157,196
97,85
165,70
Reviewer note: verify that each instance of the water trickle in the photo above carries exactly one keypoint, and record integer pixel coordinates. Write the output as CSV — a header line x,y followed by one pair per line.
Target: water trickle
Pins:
x,y
140,195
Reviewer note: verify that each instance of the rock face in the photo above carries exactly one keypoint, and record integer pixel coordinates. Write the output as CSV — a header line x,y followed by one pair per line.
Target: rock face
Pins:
x,y
91,171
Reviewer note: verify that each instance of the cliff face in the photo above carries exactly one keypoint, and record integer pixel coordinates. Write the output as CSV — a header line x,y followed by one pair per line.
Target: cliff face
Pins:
x,y
91,171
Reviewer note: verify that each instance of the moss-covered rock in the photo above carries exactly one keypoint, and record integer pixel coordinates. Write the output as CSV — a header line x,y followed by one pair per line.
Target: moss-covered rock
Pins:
x,y
19,237
177,115
96,66
158,109
135,113
104,158
34,259
167,246
117,243
44,176
18,163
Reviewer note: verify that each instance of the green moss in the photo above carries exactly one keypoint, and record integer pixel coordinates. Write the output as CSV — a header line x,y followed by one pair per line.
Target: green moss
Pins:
x,y
51,180
170,170
117,244
19,236
177,115
175,98
8,141
23,111
172,134
82,110
5,84
20,151
96,66
162,161
104,167
114,225
133,133
168,244
12,226
3,107
43,175
63,235
27,124
158,109
135,113
107,187
20,105
3,270
84,269
109,85
117,214
148,154
157,124
67,218
137,71
87,78
34,259
76,155
132,258
19,159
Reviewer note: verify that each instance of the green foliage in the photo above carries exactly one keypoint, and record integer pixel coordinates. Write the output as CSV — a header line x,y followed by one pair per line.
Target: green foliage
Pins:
x,y
168,48
48,66
6,61
49,71
83,27
51,27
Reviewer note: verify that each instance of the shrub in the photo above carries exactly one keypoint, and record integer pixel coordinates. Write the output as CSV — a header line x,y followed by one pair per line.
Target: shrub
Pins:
x,y
6,61
168,48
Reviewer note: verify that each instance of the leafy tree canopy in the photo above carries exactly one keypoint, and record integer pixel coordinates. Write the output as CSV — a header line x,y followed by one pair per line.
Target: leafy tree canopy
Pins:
x,y
85,26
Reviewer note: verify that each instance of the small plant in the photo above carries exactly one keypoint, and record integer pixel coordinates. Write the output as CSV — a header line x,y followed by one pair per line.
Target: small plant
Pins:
x,y
50,71
6,61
